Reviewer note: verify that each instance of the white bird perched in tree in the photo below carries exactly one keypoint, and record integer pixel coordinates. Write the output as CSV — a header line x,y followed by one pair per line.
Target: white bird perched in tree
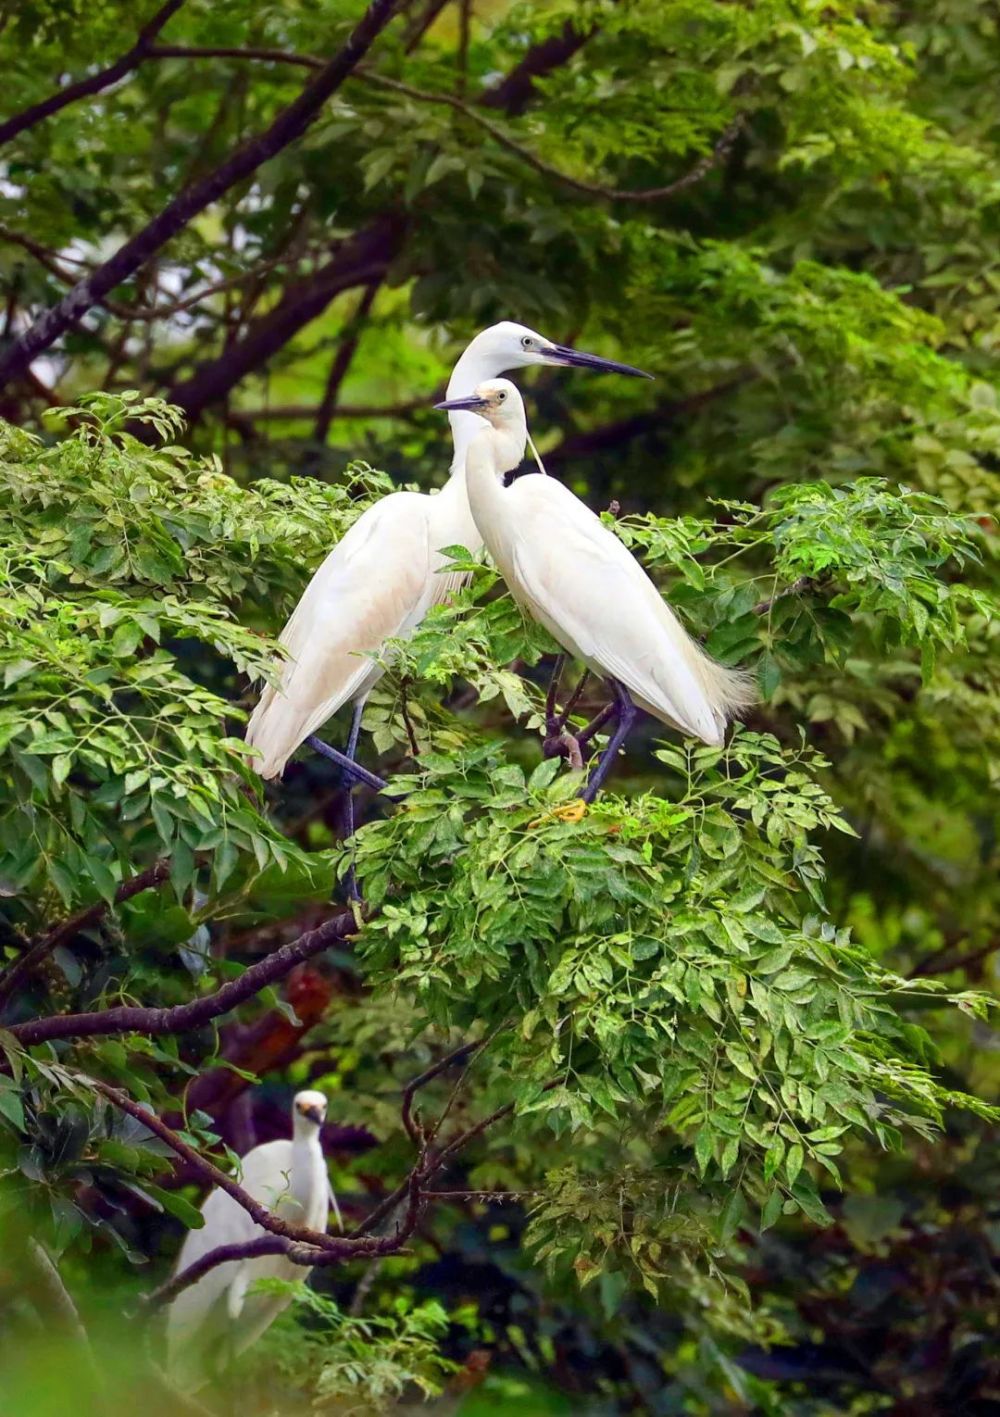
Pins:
x,y
383,576
573,575
215,1318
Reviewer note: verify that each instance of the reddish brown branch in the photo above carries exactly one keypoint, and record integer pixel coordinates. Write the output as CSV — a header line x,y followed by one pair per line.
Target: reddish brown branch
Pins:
x,y
103,79
288,126
180,1018
15,974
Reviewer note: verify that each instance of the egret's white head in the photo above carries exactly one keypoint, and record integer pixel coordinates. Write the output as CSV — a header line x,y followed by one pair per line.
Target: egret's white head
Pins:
x,y
496,400
308,1112
499,403
509,345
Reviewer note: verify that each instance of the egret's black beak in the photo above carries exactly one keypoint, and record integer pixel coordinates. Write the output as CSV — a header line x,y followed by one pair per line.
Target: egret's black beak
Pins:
x,y
562,354
314,1114
471,402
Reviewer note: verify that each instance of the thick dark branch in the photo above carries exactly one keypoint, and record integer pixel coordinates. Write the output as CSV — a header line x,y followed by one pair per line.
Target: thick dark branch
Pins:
x,y
289,125
15,974
515,92
180,1018
103,79
362,260
308,411
611,436
342,360
943,961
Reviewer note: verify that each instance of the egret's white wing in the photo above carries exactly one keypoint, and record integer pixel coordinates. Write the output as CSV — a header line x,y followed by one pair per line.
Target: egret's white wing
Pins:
x,y
195,1319
574,576
198,1334
373,586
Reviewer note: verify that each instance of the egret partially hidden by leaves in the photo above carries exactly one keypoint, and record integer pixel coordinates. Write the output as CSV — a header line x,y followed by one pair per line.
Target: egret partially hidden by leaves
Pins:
x,y
384,575
574,576
215,1319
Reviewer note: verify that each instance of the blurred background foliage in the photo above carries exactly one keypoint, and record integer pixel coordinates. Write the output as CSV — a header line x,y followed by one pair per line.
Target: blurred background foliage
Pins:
x,y
789,213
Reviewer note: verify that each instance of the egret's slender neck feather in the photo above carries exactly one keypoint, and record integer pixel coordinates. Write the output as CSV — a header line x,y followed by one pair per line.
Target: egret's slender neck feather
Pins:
x,y
496,450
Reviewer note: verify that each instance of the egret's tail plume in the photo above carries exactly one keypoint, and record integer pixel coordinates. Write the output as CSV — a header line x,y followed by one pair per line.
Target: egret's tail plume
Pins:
x,y
729,691
276,729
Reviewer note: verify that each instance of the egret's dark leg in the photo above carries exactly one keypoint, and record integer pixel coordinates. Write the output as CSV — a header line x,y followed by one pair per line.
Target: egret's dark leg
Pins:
x,y
350,768
552,724
625,714
350,880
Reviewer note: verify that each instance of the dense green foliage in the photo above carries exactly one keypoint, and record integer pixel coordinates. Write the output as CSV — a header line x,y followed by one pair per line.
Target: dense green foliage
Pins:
x,y
735,1022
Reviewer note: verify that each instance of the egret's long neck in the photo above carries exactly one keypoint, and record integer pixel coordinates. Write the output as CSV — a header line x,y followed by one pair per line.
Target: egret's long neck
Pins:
x,y
305,1135
475,367
493,452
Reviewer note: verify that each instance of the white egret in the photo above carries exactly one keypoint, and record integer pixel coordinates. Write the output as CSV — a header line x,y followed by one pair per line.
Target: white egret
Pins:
x,y
215,1318
383,576
573,575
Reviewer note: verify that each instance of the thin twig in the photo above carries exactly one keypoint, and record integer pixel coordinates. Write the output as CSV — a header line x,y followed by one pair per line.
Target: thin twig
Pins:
x,y
803,583
701,168
552,724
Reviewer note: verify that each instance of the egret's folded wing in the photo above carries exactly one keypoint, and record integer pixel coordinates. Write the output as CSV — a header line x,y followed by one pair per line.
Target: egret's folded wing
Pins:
x,y
371,588
226,1223
585,586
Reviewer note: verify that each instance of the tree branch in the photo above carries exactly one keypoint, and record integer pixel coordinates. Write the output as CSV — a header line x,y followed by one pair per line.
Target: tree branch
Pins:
x,y
17,972
346,351
700,169
181,1017
211,1174
308,411
514,92
289,125
103,79
362,260
763,607
623,430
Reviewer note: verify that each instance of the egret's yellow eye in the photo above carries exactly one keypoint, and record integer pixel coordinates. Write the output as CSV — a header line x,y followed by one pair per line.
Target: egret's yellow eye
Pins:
x,y
527,341
501,395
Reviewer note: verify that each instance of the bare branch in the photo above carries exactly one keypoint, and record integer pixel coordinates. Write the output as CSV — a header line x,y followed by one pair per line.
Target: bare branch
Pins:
x,y
15,974
103,79
180,1018
289,125
222,51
